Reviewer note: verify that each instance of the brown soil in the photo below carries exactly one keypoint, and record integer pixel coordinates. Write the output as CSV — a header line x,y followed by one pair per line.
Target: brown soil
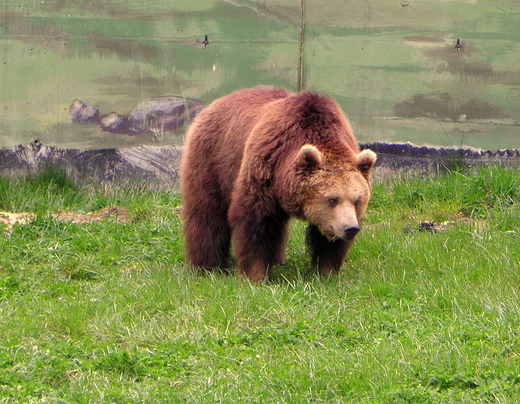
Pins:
x,y
110,213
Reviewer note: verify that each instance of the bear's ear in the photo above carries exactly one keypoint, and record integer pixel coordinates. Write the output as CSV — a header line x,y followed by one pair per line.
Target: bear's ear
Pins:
x,y
308,159
365,162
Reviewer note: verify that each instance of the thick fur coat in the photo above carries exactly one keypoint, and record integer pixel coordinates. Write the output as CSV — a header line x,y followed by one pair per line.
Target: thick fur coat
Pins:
x,y
258,157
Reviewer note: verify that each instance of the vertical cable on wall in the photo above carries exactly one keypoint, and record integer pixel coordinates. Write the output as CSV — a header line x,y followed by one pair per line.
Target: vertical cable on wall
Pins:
x,y
301,62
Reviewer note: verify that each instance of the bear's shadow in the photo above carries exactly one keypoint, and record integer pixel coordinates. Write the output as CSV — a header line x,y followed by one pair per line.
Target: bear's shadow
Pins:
x,y
290,272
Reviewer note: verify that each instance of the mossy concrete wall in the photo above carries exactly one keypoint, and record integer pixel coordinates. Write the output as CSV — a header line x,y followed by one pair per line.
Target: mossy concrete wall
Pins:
x,y
432,72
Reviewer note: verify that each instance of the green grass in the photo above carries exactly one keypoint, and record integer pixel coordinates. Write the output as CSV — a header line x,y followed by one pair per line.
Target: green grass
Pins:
x,y
107,312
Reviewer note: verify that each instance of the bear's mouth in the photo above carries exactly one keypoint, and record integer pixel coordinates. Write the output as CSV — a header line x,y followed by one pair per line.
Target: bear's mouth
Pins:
x,y
344,238
332,237
330,234
348,235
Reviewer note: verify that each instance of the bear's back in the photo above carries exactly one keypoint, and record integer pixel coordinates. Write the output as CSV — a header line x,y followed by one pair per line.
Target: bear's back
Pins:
x,y
284,125
216,139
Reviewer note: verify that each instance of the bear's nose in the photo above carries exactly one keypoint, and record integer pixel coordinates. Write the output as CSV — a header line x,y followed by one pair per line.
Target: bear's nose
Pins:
x,y
350,232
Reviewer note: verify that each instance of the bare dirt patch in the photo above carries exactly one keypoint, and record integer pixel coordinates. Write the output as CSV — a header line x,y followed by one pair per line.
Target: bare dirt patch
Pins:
x,y
109,213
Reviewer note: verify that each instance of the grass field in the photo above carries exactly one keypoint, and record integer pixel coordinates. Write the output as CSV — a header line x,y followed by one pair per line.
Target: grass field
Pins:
x,y
426,309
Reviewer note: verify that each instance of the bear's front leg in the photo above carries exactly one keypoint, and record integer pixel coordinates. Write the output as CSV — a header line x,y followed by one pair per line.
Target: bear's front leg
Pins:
x,y
326,255
258,244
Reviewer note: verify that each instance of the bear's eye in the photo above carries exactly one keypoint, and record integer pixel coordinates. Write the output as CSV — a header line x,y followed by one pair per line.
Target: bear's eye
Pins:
x,y
333,202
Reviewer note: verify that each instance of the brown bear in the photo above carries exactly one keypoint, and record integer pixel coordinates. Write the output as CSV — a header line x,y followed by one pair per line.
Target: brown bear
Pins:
x,y
256,158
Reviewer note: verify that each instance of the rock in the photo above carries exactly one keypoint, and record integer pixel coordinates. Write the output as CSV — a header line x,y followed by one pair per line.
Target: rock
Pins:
x,y
164,113
113,123
83,112
154,116
155,166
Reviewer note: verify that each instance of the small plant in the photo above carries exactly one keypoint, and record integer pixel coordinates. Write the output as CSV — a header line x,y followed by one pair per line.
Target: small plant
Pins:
x,y
123,363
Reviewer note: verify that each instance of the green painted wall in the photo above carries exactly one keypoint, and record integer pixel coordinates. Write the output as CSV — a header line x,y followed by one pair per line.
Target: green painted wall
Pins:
x,y
392,64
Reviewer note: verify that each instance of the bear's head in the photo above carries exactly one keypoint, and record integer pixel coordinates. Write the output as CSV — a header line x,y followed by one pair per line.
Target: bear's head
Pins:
x,y
335,190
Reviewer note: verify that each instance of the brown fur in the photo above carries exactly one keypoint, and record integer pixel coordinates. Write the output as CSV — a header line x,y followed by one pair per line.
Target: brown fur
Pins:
x,y
257,157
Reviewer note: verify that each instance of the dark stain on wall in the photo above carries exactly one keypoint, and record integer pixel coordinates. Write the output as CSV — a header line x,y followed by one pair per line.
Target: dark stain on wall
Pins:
x,y
130,49
444,106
